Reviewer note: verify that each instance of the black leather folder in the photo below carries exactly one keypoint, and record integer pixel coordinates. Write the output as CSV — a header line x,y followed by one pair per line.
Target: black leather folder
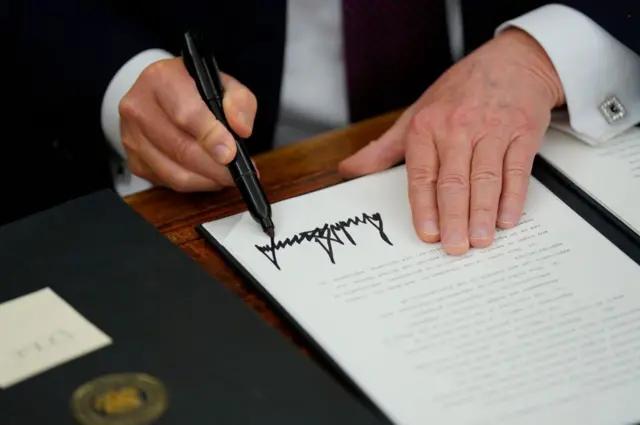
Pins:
x,y
216,361
588,208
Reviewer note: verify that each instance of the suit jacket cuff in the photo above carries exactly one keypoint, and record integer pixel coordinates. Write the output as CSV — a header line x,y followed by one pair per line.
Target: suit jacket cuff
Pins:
x,y
595,69
119,85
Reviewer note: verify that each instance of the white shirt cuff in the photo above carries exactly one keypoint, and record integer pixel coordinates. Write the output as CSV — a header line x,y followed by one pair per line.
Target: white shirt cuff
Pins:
x,y
593,67
120,84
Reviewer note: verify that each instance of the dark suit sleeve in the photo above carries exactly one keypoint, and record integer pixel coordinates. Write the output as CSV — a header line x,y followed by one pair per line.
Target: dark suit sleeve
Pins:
x,y
620,18
58,56
74,47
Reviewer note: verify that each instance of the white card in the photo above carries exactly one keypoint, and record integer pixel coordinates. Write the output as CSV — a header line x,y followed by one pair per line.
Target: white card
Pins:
x,y
39,331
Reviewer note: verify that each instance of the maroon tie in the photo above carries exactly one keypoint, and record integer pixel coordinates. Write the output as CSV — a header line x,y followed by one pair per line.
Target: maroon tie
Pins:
x,y
394,49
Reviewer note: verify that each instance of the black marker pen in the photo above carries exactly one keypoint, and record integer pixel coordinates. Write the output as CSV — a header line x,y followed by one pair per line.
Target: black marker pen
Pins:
x,y
203,69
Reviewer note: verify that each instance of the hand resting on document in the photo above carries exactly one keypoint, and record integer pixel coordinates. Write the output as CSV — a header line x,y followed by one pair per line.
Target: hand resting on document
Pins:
x,y
469,142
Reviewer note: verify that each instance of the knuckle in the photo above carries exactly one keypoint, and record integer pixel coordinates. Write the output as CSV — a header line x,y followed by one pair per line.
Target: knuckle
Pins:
x,y
127,143
421,121
460,116
511,194
494,119
453,183
127,108
179,181
422,177
454,216
182,151
482,207
517,171
186,113
155,70
486,176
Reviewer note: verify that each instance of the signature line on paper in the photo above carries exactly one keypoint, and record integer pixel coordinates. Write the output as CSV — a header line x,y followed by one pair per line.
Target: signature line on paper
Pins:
x,y
325,235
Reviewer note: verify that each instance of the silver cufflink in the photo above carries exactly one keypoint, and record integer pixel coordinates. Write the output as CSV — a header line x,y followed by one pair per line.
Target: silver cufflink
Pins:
x,y
612,109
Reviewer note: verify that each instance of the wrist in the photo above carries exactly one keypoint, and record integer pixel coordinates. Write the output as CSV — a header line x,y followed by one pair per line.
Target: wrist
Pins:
x,y
537,63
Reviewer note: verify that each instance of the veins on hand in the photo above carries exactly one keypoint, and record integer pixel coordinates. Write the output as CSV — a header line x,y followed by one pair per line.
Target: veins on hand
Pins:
x,y
325,236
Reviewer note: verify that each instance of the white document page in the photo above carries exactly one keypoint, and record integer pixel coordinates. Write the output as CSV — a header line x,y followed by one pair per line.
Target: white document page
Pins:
x,y
39,331
543,327
609,173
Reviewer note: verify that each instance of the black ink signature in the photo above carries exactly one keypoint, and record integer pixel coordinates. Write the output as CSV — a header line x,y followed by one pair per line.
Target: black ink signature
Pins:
x,y
324,235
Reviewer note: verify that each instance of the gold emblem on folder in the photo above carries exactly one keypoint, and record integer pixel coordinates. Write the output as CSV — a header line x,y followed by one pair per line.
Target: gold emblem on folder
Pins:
x,y
119,399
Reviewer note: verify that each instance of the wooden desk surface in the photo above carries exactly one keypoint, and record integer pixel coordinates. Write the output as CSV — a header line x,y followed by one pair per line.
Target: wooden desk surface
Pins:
x,y
285,172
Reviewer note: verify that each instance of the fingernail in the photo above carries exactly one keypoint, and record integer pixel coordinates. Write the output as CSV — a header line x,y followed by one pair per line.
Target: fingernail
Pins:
x,y
479,232
507,217
430,228
455,238
221,153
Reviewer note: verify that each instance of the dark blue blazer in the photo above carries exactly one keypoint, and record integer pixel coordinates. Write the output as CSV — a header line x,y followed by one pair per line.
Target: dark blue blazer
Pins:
x,y
60,55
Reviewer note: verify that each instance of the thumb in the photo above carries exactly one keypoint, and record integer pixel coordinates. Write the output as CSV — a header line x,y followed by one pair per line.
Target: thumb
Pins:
x,y
240,106
381,153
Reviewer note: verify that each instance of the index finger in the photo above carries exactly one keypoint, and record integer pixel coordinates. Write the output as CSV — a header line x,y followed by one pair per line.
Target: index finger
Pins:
x,y
421,159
